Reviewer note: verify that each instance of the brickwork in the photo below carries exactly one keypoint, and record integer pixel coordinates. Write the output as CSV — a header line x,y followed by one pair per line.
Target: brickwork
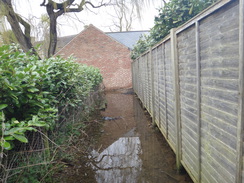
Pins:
x,y
94,47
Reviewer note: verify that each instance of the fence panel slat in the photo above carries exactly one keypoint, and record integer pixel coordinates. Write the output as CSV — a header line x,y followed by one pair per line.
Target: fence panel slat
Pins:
x,y
192,82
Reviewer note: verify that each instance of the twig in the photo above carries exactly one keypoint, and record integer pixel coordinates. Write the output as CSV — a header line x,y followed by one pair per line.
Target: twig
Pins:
x,y
27,166
48,138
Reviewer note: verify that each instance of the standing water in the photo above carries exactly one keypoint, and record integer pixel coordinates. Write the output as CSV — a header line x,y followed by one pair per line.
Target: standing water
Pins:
x,y
129,150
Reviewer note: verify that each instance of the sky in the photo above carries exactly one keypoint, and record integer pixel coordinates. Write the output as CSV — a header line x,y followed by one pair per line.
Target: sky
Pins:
x,y
69,24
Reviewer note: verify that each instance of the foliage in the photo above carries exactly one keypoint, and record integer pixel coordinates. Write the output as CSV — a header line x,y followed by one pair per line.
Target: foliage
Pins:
x,y
33,92
141,46
8,37
173,14
33,174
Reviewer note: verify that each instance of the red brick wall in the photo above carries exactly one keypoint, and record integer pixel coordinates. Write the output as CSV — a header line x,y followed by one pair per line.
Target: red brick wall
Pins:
x,y
93,47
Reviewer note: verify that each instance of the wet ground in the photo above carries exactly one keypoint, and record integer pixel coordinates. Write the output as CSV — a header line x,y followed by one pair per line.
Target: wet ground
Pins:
x,y
127,148
130,150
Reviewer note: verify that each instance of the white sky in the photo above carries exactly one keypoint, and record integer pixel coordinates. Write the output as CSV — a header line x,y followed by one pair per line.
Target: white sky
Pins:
x,y
99,18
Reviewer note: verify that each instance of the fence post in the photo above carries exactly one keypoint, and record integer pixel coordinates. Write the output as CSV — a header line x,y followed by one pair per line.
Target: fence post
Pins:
x,y
132,74
165,93
153,87
175,64
198,70
157,89
239,159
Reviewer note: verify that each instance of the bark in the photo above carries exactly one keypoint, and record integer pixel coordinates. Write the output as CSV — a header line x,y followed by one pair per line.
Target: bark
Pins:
x,y
53,30
55,10
15,20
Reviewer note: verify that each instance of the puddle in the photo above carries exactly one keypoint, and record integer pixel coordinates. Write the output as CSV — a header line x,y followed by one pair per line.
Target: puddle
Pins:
x,y
129,150
120,161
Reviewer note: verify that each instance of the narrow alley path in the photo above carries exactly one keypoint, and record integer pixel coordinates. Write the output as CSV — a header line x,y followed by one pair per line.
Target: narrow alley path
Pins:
x,y
129,149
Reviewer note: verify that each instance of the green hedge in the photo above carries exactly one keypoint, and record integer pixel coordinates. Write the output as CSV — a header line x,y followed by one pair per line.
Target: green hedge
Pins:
x,y
33,91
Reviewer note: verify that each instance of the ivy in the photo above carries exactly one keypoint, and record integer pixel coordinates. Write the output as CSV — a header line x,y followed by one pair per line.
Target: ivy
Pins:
x,y
33,91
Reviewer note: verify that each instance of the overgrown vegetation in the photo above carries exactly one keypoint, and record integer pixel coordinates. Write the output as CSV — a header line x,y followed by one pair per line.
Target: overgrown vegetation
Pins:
x,y
36,94
8,37
173,14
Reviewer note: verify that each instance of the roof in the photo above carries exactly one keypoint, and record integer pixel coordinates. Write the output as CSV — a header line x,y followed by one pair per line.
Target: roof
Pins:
x,y
128,38
62,41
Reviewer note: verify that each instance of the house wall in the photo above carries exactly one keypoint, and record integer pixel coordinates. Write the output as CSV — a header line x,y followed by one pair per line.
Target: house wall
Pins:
x,y
93,47
196,91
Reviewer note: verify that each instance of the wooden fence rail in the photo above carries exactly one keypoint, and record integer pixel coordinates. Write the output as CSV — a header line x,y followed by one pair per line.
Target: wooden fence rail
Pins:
x,y
191,83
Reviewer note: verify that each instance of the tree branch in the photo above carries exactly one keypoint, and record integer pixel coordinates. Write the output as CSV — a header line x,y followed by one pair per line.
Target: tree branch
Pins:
x,y
43,3
93,6
25,24
15,20
68,10
57,6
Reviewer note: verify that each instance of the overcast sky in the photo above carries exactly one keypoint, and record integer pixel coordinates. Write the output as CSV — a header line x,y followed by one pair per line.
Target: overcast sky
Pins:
x,y
99,17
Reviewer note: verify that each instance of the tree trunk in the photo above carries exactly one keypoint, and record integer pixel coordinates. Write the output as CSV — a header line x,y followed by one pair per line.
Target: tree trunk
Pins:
x,y
53,36
14,21
53,30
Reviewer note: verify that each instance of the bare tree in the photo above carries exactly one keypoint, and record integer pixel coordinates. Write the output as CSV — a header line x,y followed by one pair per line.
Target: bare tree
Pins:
x,y
22,28
44,34
16,22
55,10
124,14
40,33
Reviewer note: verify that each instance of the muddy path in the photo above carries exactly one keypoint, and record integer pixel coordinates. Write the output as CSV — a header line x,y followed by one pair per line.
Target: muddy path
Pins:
x,y
127,149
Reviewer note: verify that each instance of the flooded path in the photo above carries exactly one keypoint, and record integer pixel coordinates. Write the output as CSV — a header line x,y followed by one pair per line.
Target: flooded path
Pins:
x,y
129,150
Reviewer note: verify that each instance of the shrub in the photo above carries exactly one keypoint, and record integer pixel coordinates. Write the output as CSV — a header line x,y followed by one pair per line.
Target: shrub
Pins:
x,y
173,14
33,91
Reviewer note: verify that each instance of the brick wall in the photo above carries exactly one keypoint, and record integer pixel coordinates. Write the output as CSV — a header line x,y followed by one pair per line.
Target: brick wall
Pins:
x,y
93,47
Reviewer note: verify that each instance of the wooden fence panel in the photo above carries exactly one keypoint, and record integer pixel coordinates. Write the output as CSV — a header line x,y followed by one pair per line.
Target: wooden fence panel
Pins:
x,y
143,75
149,70
156,86
170,96
205,72
147,82
141,79
188,95
219,103
240,125
162,90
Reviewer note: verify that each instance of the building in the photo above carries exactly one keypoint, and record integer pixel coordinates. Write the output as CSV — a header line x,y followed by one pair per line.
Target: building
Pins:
x,y
110,52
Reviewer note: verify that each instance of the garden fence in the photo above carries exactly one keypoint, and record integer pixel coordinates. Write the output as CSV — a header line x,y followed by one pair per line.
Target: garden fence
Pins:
x,y
191,83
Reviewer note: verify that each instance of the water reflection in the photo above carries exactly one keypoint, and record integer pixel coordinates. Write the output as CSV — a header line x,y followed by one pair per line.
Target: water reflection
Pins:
x,y
120,162
129,150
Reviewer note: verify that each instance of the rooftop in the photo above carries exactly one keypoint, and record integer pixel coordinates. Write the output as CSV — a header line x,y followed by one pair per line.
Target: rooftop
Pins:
x,y
128,38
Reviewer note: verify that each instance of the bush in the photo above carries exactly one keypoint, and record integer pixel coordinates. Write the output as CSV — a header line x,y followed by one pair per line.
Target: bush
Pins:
x,y
173,14
141,46
32,91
